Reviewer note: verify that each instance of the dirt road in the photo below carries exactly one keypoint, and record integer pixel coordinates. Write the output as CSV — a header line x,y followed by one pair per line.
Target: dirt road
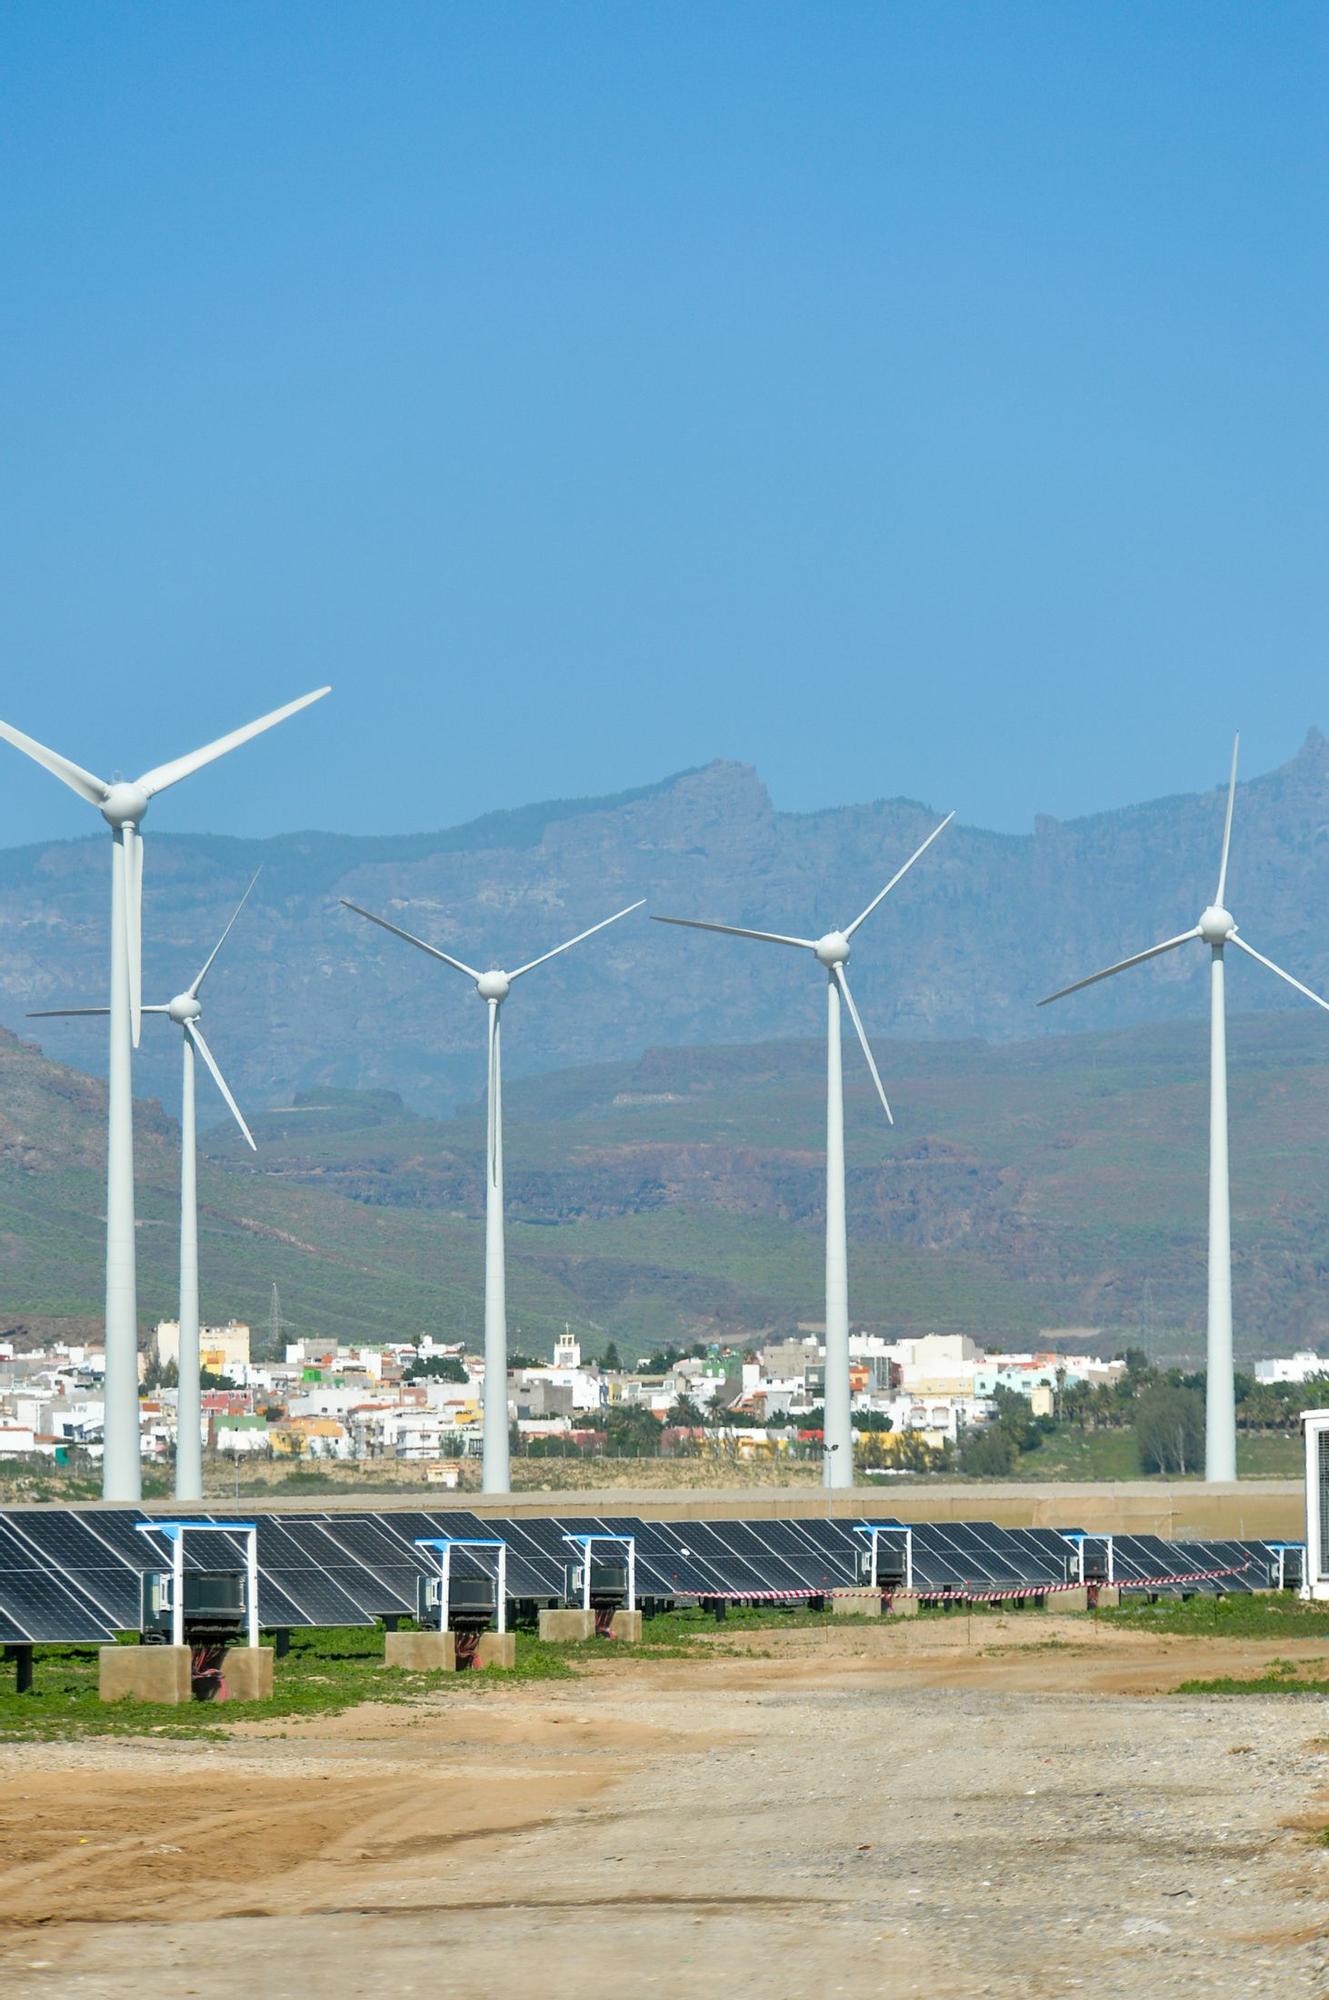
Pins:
x,y
862,1812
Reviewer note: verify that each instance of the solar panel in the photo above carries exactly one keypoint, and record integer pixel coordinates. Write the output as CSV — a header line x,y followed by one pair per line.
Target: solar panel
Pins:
x,y
288,1569
65,1544
10,1633
41,1605
385,1586
74,1575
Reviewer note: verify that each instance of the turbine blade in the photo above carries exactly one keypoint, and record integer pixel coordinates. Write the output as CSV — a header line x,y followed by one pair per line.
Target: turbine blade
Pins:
x,y
70,1013
1260,958
200,977
1137,958
132,849
898,873
195,1035
162,775
603,924
1227,826
866,1046
491,1093
88,787
457,964
736,930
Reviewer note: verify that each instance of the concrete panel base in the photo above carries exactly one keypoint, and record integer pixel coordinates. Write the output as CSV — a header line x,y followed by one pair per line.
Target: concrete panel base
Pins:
x,y
1109,1596
567,1627
247,1672
902,1607
496,1649
626,1626
144,1673
1067,1600
421,1652
857,1604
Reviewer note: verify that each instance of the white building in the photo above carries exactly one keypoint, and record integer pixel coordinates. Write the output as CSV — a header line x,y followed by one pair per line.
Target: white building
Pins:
x,y
1299,1367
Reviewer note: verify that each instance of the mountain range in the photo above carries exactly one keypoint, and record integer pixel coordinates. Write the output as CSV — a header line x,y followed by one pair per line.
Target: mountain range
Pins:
x,y
309,997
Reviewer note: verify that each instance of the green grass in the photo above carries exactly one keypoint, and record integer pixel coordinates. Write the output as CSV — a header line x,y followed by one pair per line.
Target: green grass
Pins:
x,y
1261,1615
1110,1454
1272,1682
324,1673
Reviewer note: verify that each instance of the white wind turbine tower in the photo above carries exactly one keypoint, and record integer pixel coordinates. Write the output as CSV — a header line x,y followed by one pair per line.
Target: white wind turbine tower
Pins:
x,y
122,805
1216,928
185,1010
493,987
832,951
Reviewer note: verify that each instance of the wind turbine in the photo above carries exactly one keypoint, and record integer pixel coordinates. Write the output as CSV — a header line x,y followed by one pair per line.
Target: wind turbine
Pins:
x,y
122,805
832,951
185,1011
1217,928
493,988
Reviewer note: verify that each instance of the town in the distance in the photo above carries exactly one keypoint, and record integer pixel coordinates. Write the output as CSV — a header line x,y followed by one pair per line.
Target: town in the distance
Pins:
x,y
412,1409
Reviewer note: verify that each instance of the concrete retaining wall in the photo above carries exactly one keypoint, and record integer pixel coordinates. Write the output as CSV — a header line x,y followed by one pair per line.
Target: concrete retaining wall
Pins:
x,y
1249,1509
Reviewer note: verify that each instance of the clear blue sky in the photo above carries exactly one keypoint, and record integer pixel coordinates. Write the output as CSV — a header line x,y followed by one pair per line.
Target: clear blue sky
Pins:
x,y
911,398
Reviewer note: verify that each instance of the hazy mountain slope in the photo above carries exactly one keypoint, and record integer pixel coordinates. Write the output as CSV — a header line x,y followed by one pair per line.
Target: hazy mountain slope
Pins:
x,y
1060,1181
309,995
1057,1182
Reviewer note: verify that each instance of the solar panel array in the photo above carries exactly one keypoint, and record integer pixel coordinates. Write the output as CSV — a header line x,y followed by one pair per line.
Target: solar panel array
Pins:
x,y
71,1577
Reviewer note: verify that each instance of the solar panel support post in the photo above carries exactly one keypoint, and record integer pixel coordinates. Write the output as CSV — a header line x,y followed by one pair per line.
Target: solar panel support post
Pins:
x,y
251,1587
442,1547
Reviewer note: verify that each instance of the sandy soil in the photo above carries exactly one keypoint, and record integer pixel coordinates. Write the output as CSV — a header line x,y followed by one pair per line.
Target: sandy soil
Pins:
x,y
994,1807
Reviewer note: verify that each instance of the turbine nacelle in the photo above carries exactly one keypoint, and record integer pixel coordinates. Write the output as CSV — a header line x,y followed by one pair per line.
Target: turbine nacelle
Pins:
x,y
493,985
1216,925
184,1007
124,804
833,949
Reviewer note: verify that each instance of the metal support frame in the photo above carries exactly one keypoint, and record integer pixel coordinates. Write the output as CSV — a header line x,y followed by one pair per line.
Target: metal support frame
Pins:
x,y
1282,1550
175,1532
584,1542
1077,1541
875,1530
442,1546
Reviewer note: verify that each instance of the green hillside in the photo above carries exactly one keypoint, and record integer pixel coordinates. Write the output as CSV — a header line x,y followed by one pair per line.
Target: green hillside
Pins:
x,y
1056,1183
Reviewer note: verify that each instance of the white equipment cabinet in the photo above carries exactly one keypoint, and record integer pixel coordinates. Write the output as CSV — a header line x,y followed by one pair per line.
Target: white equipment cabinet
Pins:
x,y
1315,1426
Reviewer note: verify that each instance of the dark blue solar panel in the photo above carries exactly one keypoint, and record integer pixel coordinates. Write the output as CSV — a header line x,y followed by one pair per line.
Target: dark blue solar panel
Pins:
x,y
40,1604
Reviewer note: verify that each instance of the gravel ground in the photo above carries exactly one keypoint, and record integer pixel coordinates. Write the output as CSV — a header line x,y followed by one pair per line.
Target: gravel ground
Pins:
x,y
824,1822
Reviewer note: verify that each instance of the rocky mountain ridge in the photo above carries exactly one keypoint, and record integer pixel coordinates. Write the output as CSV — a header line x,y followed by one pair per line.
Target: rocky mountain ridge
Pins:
x,y
308,995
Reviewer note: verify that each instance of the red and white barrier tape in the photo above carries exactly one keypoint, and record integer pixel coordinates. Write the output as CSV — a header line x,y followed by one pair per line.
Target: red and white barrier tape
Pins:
x,y
950,1596
1191,1576
1051,1589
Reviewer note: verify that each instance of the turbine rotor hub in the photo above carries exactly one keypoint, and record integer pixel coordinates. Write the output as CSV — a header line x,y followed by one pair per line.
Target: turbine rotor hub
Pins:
x,y
833,949
124,805
493,985
184,1008
1216,925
